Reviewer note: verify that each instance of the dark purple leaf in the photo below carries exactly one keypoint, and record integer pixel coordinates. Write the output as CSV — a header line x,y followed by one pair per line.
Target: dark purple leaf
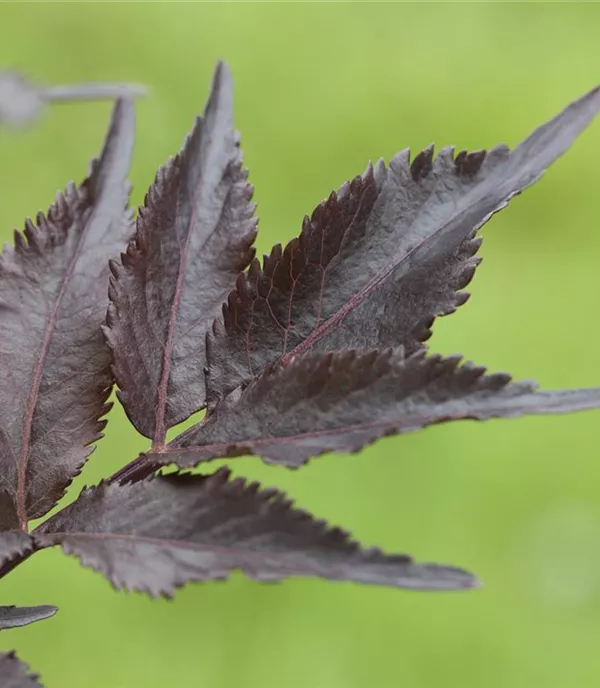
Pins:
x,y
12,617
155,536
194,236
342,402
14,674
380,259
22,101
14,544
54,362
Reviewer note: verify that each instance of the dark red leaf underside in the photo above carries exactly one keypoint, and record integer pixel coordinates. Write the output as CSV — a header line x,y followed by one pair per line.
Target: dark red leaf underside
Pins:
x,y
379,259
194,236
15,674
54,362
197,528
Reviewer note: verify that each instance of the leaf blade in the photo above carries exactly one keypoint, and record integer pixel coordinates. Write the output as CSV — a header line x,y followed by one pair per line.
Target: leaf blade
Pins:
x,y
14,617
379,260
342,402
15,545
194,236
203,527
14,673
54,360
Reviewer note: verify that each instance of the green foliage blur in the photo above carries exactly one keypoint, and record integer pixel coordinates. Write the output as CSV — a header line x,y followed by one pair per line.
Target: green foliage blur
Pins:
x,y
320,90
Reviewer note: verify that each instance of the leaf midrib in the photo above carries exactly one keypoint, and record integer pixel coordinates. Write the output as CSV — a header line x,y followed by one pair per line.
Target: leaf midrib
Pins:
x,y
232,550
39,371
160,429
369,288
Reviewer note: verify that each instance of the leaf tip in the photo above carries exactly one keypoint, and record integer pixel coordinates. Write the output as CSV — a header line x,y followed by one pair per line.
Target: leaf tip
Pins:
x,y
221,92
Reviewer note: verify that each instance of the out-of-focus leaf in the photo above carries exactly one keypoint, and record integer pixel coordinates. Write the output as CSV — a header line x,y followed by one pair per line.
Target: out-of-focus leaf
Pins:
x,y
194,237
14,674
22,101
12,617
156,535
380,258
54,362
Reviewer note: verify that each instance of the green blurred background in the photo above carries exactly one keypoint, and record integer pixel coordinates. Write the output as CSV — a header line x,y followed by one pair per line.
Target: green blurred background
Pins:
x,y
320,90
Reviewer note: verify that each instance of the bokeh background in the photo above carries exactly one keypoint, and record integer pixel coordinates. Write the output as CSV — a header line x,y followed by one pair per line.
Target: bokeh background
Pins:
x,y
320,90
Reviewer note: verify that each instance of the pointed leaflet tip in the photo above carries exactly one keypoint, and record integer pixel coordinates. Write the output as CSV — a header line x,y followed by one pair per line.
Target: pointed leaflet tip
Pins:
x,y
13,617
548,142
379,260
222,79
555,136
220,101
118,145
218,122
